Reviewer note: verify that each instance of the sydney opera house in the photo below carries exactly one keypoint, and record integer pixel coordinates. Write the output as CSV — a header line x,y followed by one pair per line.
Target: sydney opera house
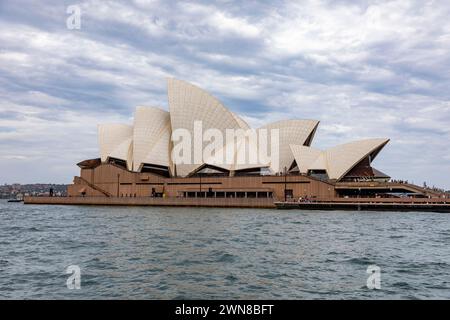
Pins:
x,y
141,160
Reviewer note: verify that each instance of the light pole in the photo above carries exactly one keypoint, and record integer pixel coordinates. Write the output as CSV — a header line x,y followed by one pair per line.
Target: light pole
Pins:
x,y
118,184
200,175
285,183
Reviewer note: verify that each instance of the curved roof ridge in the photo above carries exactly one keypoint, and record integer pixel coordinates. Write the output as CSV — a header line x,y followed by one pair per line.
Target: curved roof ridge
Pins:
x,y
150,107
342,158
242,122
360,141
219,103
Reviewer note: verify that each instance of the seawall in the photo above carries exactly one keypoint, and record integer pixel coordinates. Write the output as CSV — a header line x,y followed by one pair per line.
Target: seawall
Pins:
x,y
366,206
149,201
389,204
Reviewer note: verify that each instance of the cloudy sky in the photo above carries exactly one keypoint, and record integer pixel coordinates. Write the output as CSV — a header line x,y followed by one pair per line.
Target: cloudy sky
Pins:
x,y
363,68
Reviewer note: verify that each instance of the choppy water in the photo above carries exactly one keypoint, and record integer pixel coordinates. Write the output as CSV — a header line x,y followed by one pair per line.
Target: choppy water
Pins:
x,y
192,253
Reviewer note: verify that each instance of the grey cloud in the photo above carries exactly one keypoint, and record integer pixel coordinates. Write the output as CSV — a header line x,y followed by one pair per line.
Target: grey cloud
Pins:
x,y
365,69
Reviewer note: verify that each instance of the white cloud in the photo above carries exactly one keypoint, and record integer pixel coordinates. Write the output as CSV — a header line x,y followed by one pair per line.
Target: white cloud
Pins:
x,y
378,70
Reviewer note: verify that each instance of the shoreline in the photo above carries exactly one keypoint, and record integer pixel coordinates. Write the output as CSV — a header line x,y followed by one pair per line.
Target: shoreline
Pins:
x,y
356,204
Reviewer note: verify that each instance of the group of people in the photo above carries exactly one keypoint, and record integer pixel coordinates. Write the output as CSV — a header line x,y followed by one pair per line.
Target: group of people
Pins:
x,y
304,199
400,181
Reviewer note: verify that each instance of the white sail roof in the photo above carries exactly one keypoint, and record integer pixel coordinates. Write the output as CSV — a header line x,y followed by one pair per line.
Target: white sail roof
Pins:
x,y
240,121
305,156
151,137
290,132
148,141
189,103
339,160
115,141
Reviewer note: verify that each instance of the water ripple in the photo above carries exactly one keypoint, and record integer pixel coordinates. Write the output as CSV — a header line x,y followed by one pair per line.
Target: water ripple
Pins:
x,y
204,253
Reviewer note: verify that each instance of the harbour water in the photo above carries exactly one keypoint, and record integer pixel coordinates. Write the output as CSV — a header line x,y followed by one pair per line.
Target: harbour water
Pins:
x,y
204,253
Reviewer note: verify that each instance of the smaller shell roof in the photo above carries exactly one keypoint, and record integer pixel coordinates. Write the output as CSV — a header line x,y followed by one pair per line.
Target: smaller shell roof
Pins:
x,y
339,160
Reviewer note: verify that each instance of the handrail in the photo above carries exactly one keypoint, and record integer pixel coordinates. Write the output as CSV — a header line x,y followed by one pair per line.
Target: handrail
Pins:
x,y
409,186
93,186
424,190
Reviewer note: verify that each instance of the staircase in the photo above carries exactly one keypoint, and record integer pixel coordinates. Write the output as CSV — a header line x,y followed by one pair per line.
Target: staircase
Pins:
x,y
93,186
391,185
427,192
